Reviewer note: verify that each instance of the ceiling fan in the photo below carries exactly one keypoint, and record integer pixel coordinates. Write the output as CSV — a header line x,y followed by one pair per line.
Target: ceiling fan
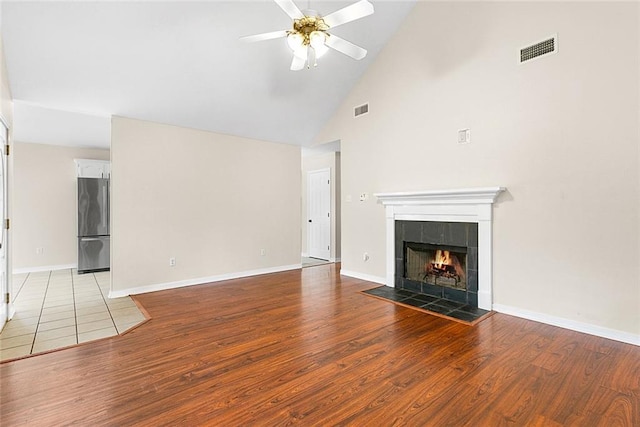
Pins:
x,y
309,38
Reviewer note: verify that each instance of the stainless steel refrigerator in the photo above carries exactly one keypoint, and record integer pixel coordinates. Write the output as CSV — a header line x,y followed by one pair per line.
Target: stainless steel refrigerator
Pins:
x,y
93,225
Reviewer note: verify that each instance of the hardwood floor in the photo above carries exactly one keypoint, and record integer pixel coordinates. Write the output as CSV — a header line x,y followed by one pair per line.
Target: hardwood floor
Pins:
x,y
306,348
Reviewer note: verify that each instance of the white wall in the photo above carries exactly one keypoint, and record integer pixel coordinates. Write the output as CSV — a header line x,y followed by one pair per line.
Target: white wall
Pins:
x,y
211,201
561,133
44,204
6,101
317,162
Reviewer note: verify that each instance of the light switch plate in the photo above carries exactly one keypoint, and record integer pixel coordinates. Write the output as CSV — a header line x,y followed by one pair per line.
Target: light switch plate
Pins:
x,y
464,136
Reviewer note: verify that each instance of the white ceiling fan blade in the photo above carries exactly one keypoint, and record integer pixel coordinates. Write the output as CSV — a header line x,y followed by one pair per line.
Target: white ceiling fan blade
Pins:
x,y
298,63
290,8
343,46
350,13
264,36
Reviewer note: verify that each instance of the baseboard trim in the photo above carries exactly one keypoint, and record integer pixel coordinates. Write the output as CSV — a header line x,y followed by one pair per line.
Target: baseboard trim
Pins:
x,y
43,268
304,255
573,325
200,281
334,259
362,276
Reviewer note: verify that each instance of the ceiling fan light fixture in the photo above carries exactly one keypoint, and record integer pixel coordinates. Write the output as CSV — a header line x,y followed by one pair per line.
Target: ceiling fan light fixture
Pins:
x,y
295,41
316,40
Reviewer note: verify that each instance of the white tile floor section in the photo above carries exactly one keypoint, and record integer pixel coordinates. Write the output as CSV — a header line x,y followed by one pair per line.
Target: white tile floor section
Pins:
x,y
59,308
312,262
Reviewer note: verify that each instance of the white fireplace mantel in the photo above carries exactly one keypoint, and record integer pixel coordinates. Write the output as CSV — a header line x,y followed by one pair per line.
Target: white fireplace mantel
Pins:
x,y
459,205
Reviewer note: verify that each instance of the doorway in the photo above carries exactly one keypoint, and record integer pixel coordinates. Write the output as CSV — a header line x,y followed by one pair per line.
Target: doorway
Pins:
x,y
319,213
321,204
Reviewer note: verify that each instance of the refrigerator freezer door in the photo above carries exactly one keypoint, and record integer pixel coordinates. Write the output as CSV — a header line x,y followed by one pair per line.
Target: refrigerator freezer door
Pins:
x,y
93,207
93,254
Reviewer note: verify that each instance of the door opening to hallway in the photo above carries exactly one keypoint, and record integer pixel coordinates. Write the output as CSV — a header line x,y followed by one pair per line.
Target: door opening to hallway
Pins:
x,y
319,213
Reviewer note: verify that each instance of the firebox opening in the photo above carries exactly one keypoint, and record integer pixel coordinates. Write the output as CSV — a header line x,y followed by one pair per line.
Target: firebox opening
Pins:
x,y
436,264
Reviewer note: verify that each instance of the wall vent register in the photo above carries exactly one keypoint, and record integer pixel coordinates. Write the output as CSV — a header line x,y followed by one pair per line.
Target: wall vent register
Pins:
x,y
360,110
545,47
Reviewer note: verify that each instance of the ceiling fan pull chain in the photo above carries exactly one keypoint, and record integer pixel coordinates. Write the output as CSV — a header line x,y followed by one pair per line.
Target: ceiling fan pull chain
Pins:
x,y
311,57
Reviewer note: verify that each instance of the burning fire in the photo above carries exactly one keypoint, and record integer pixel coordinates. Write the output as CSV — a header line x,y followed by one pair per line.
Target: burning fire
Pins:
x,y
442,258
445,265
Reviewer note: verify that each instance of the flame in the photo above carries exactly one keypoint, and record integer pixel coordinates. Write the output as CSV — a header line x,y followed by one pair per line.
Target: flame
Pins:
x,y
442,258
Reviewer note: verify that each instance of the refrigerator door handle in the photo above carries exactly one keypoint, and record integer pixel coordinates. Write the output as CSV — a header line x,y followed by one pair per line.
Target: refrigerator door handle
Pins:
x,y
90,239
104,203
108,187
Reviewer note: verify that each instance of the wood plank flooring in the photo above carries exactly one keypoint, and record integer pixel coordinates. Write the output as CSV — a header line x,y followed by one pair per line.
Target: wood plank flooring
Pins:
x,y
306,348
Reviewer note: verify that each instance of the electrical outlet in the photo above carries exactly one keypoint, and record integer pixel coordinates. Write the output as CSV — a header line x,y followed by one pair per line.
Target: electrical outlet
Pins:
x,y
363,197
39,251
365,257
464,136
172,262
263,252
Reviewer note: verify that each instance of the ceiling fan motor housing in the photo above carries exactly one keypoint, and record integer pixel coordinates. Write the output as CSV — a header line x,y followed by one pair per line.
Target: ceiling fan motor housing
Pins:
x,y
306,26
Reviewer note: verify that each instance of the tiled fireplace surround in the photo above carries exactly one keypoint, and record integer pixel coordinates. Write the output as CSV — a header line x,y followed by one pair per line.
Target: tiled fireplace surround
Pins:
x,y
470,206
463,235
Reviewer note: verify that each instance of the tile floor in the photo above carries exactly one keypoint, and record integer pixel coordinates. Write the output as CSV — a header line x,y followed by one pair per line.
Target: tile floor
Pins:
x,y
59,308
456,310
312,262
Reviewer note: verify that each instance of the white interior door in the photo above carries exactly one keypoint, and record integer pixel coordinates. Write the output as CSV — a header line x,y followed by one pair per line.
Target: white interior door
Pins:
x,y
4,283
319,212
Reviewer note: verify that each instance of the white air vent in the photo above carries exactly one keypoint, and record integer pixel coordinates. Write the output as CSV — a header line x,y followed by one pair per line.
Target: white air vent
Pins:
x,y
360,110
545,47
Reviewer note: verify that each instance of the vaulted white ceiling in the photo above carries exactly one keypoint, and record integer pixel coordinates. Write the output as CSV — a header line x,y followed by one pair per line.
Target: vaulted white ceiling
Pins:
x,y
179,63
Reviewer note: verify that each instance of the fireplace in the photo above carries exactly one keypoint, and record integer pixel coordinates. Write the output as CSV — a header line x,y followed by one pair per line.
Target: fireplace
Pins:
x,y
438,258
458,221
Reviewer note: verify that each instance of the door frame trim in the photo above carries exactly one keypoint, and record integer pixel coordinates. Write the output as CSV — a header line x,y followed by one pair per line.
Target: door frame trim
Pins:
x,y
7,241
